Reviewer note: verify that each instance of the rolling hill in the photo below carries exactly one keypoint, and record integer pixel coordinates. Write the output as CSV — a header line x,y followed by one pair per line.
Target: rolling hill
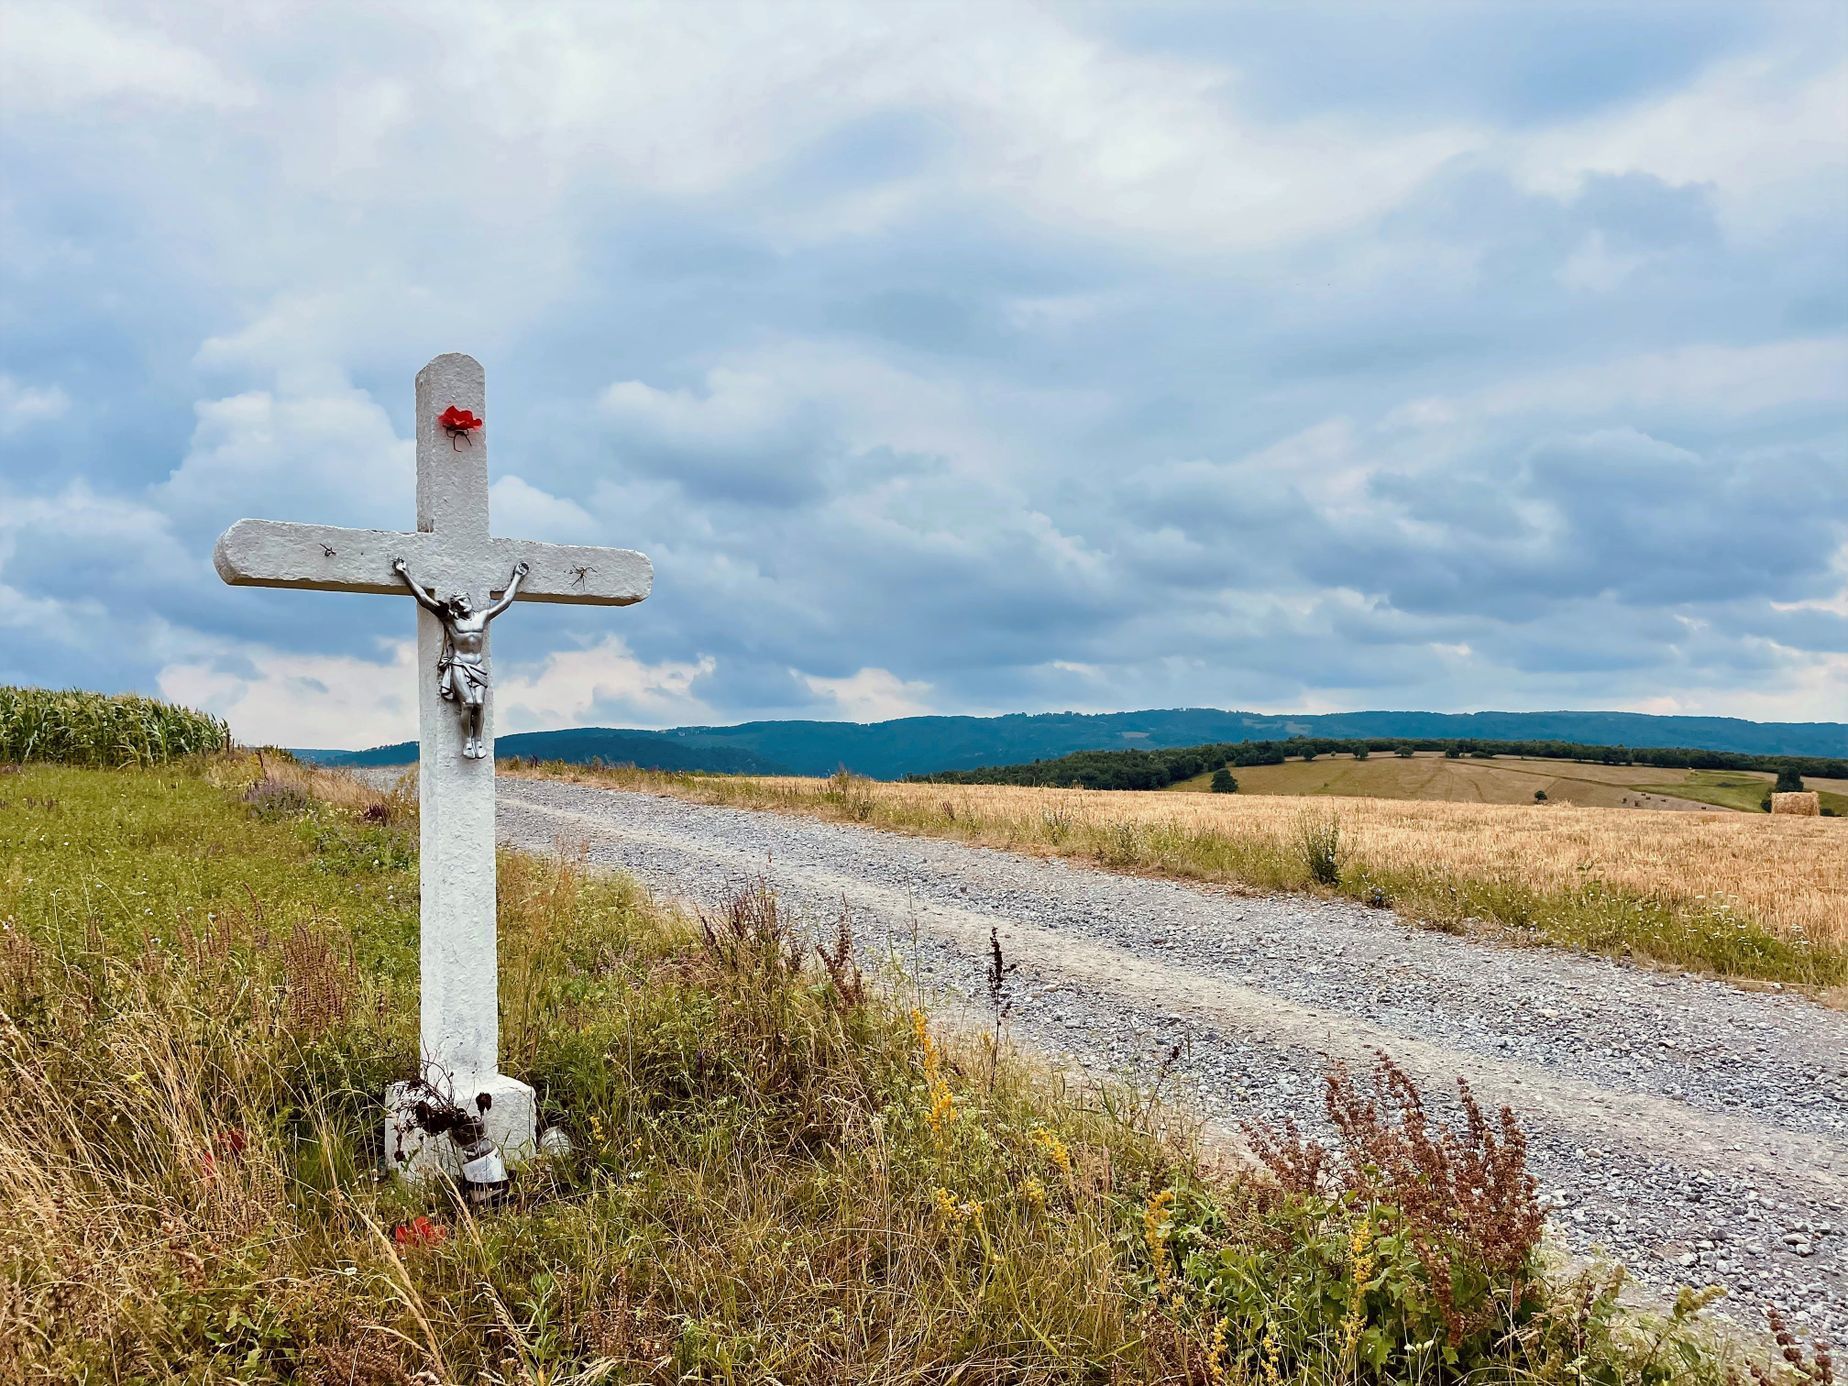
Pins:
x,y
920,745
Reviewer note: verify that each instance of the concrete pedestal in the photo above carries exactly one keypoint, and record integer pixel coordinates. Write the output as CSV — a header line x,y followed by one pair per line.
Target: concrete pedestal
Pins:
x,y
511,1123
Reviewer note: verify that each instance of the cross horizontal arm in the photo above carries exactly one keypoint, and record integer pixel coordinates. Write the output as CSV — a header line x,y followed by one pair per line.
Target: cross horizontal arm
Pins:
x,y
573,572
278,553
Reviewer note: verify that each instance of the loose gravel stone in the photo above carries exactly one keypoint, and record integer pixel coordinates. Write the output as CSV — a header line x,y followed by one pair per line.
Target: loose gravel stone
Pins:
x,y
1667,1113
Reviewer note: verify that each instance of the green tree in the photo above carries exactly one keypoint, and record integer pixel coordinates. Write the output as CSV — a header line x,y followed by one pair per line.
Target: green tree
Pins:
x,y
1223,783
1361,753
1539,796
1788,781
1403,750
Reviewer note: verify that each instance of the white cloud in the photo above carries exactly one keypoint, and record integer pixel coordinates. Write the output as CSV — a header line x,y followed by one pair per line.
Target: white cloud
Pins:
x,y
93,532
692,101
521,510
738,409
901,309
286,698
22,405
283,698
329,457
604,682
1709,381
871,695
1762,131
58,56
1803,687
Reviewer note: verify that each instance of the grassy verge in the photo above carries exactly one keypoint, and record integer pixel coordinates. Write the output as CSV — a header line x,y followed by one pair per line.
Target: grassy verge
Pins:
x,y
779,1173
1739,897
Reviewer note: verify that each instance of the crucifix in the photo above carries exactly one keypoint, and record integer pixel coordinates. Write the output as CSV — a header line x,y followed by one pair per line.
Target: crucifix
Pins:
x,y
462,579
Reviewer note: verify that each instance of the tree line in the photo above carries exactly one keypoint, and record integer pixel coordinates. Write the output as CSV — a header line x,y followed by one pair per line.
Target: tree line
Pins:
x,y
1158,769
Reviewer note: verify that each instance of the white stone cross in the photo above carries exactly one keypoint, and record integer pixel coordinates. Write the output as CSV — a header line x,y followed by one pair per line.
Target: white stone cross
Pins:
x,y
450,552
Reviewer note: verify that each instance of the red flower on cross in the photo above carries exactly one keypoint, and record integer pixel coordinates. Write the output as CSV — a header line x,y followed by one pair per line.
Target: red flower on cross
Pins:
x,y
459,423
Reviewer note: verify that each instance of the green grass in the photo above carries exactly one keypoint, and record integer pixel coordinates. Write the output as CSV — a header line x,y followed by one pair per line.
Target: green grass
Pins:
x,y
779,1175
1734,789
79,728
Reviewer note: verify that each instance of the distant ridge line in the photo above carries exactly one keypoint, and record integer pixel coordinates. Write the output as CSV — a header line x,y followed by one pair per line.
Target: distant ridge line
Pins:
x,y
922,745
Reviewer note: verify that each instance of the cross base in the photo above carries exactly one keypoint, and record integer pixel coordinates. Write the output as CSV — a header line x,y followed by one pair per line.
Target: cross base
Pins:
x,y
511,1123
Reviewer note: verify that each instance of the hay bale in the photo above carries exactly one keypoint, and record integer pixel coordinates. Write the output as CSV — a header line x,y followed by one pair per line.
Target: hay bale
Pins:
x,y
1807,804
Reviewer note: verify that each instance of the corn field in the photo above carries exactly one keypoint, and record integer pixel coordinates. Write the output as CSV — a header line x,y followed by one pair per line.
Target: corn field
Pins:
x,y
79,728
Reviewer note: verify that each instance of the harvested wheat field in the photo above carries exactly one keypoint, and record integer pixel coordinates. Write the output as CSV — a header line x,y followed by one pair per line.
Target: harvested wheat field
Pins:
x,y
1742,895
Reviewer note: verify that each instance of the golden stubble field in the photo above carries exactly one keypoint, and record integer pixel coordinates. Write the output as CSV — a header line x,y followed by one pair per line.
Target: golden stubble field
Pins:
x,y
1748,895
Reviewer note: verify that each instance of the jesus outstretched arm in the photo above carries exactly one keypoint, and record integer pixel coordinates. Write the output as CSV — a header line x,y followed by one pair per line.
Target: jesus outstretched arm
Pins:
x,y
520,570
427,600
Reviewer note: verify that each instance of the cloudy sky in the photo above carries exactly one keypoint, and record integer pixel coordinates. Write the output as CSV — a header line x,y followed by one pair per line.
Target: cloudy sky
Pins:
x,y
962,359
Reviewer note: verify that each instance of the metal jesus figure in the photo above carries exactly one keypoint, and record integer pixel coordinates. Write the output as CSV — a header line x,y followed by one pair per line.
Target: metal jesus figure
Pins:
x,y
461,672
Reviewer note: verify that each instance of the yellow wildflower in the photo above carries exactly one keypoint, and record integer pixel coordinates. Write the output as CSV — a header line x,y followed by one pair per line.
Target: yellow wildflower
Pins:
x,y
1055,1149
1361,1260
948,1211
942,1100
1216,1352
1155,1233
951,1213
1034,1192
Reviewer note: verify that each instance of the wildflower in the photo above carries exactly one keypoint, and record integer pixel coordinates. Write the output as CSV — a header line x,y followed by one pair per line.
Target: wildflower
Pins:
x,y
232,1140
1216,1351
952,1213
942,1100
1056,1149
1155,1232
1272,1375
419,1231
1361,1261
942,1105
949,1212
1034,1192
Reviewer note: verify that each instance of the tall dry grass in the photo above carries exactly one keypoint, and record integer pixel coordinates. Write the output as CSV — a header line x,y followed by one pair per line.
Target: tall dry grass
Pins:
x,y
1743,895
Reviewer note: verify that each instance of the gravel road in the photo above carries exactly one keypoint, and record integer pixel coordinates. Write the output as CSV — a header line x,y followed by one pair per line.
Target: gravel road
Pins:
x,y
1694,1130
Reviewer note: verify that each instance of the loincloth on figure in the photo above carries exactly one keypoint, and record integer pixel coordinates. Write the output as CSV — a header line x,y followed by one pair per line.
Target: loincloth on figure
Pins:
x,y
469,682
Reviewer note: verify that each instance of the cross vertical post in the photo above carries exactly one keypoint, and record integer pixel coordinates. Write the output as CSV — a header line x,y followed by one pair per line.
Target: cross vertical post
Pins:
x,y
459,1017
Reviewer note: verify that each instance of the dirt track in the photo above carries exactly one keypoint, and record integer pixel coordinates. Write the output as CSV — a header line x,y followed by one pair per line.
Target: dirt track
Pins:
x,y
1697,1131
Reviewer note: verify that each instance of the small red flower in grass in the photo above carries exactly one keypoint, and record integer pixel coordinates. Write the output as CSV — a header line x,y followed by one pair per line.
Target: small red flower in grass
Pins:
x,y
419,1231
229,1143
459,423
